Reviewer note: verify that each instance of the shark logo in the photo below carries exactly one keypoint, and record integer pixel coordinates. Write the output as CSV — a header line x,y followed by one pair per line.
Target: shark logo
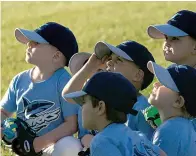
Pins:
x,y
137,152
38,114
146,150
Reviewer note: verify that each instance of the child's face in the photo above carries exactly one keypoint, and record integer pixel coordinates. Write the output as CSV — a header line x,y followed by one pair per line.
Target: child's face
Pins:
x,y
178,49
88,113
162,97
118,64
39,53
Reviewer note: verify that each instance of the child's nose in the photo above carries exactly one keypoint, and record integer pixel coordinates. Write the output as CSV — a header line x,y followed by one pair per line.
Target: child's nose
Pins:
x,y
110,63
156,84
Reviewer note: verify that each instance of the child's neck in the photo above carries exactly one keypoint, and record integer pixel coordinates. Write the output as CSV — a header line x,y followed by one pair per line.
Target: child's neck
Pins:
x,y
166,115
39,74
190,63
103,124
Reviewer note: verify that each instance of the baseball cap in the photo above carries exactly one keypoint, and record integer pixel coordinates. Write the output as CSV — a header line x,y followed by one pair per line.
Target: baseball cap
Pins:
x,y
179,78
77,61
113,88
51,33
132,51
183,23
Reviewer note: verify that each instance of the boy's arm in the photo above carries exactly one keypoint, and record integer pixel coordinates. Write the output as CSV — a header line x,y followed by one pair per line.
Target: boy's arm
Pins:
x,y
8,102
68,128
86,140
77,81
162,153
4,114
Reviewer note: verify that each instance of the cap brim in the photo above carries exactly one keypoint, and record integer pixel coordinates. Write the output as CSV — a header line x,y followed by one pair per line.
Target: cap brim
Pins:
x,y
103,48
77,61
158,31
76,96
162,75
24,36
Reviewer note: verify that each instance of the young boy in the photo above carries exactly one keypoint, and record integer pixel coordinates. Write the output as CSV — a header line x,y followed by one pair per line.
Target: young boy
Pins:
x,y
130,59
180,38
105,105
35,94
174,96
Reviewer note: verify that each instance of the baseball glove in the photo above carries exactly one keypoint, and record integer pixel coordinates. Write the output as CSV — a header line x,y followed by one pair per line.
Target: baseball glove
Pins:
x,y
85,152
20,137
152,116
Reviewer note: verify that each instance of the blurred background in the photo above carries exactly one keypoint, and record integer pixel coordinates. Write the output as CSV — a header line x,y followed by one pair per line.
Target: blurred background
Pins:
x,y
112,22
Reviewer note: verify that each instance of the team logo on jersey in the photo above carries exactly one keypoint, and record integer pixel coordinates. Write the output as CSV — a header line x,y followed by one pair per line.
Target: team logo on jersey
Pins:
x,y
38,114
145,150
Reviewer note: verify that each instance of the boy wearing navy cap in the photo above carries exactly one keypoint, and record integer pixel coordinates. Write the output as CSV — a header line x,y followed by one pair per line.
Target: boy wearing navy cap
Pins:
x,y
174,96
130,58
34,94
106,100
180,37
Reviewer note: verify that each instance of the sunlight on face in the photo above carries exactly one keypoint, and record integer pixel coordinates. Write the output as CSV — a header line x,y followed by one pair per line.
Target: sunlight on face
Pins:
x,y
118,64
162,97
178,49
39,53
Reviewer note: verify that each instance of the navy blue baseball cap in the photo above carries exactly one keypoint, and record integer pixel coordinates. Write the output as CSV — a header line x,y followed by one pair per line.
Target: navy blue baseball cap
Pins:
x,y
179,78
132,51
51,33
112,88
183,23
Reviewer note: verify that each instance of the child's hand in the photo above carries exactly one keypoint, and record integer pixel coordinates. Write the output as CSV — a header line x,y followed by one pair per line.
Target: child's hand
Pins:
x,y
94,63
86,140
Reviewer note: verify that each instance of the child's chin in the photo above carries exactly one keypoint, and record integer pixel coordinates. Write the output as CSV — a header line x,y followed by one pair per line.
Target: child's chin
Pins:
x,y
151,100
169,58
28,60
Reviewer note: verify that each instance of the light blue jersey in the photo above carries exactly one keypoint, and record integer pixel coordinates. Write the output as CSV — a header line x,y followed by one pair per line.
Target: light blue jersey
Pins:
x,y
138,122
194,122
119,140
39,104
176,137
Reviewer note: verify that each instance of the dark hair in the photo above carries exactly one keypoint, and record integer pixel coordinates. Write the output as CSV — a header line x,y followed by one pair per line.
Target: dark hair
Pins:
x,y
111,114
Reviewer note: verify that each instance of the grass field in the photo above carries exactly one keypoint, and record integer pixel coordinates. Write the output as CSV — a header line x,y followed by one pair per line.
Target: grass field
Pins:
x,y
113,22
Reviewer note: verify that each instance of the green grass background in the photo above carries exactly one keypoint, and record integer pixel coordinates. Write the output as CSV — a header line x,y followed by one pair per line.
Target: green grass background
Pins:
x,y
113,22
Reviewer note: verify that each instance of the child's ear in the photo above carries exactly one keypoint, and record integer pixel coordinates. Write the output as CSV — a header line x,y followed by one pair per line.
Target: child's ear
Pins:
x,y
194,49
139,75
101,108
57,55
179,102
